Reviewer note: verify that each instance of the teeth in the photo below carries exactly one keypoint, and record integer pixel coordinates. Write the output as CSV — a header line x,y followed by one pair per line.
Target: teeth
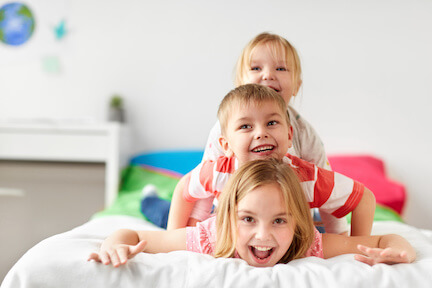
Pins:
x,y
263,148
262,248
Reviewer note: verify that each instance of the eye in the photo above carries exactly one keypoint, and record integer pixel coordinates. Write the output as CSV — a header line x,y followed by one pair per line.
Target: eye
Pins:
x,y
271,123
280,221
255,68
281,69
245,126
248,219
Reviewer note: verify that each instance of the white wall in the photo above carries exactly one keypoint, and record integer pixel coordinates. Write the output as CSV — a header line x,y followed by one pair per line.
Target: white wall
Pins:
x,y
367,73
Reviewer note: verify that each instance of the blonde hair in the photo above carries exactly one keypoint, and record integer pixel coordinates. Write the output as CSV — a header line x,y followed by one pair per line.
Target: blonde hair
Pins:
x,y
247,178
278,46
245,95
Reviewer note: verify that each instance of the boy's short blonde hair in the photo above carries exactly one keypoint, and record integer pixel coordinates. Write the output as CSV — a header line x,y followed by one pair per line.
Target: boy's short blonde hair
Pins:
x,y
278,46
249,177
245,95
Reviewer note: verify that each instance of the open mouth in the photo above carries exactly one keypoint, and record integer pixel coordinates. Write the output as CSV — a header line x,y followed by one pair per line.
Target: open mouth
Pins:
x,y
264,148
277,90
261,254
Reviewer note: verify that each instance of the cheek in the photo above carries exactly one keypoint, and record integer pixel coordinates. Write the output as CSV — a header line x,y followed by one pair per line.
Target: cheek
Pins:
x,y
240,143
286,236
282,136
251,79
240,233
287,95
242,237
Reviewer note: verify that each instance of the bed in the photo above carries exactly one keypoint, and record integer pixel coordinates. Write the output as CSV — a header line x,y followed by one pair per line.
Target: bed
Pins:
x,y
60,261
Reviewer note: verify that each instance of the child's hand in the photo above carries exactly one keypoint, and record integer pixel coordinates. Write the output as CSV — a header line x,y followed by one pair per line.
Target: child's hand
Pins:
x,y
117,254
377,255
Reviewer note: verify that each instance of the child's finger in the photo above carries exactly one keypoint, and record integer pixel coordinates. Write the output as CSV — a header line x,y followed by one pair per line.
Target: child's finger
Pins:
x,y
390,255
105,259
123,255
138,248
114,258
94,256
400,257
404,256
372,252
364,259
363,249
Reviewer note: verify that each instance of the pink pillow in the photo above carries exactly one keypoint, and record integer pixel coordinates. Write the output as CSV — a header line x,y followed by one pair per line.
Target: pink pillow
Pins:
x,y
370,171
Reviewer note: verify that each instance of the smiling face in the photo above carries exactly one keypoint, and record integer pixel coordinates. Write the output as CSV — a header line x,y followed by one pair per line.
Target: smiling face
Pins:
x,y
256,131
265,229
269,67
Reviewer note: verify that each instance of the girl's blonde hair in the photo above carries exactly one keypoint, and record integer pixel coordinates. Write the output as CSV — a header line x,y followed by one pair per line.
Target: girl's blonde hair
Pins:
x,y
247,178
243,96
278,46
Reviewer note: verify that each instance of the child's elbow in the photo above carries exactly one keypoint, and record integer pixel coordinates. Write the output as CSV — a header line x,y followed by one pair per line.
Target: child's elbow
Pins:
x,y
369,198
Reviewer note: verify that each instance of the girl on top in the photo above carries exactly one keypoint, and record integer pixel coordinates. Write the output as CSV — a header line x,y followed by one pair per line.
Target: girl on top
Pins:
x,y
263,218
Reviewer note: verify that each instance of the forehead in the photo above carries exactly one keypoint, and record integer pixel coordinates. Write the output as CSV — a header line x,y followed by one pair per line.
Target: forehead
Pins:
x,y
267,106
275,49
264,199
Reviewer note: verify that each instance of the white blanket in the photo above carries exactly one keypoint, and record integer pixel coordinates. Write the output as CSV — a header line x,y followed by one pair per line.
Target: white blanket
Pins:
x,y
60,261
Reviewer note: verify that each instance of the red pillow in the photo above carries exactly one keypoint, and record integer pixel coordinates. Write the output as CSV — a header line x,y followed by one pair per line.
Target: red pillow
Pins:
x,y
370,171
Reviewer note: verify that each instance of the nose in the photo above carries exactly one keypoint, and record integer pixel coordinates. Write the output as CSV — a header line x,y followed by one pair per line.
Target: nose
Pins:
x,y
267,74
261,132
262,232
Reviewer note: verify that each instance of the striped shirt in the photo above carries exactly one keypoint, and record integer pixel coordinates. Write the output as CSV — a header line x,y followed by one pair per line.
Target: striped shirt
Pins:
x,y
327,190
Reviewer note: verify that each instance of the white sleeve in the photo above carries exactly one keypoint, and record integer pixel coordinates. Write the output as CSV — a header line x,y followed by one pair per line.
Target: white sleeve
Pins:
x,y
213,150
306,142
194,188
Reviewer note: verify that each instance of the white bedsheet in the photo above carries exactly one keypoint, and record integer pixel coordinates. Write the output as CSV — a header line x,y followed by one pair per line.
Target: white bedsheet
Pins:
x,y
60,261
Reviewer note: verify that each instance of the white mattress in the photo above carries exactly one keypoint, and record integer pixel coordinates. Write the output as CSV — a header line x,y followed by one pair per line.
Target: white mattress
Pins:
x,y
60,261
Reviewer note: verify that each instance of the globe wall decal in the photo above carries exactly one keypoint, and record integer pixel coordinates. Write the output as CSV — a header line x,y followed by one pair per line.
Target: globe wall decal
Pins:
x,y
16,24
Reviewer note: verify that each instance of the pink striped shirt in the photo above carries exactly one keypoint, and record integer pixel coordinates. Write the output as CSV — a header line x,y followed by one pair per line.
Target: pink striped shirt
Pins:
x,y
327,190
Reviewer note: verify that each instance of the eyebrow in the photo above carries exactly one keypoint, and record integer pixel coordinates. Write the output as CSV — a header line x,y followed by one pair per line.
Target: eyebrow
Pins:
x,y
275,114
253,213
242,119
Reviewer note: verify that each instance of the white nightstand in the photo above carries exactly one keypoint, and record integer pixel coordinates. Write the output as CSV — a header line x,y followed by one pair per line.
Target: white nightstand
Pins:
x,y
63,142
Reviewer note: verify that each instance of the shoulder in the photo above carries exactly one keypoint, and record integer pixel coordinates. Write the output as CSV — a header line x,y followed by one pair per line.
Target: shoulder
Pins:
x,y
207,235
303,169
316,248
300,124
213,149
306,141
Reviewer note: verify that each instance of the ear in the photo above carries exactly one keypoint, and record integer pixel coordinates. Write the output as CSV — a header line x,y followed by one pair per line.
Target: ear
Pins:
x,y
225,146
299,83
290,136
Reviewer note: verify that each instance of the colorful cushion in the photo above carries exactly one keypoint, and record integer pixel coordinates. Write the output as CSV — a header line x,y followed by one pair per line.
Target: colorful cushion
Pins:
x,y
177,161
370,171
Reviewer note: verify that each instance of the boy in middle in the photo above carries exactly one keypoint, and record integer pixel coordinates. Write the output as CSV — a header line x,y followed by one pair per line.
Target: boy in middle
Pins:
x,y
255,125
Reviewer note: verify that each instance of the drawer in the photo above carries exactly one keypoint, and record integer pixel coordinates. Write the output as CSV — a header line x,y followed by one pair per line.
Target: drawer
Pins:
x,y
54,146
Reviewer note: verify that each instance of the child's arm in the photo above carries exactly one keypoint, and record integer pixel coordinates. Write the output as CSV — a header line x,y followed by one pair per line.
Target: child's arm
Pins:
x,y
363,214
124,244
198,184
388,249
180,209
